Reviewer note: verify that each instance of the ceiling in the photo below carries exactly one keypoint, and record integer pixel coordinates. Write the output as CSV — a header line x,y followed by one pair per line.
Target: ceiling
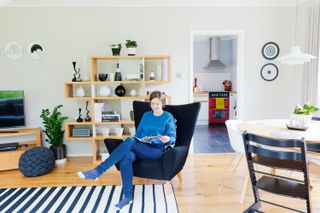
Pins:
x,y
153,3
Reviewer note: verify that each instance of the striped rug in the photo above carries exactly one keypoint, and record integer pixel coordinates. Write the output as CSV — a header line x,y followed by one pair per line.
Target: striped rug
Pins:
x,y
147,198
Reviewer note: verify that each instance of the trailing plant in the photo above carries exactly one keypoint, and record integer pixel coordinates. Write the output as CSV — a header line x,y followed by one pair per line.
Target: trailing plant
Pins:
x,y
131,43
53,125
307,109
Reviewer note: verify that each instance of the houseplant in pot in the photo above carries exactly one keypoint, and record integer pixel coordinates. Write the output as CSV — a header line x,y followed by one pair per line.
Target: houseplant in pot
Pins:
x,y
131,47
116,48
53,130
301,116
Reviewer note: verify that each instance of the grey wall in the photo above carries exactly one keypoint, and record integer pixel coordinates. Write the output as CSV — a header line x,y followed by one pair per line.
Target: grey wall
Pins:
x,y
67,33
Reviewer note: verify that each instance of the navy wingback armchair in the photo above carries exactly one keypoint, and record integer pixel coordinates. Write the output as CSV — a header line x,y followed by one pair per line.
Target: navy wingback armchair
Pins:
x,y
172,161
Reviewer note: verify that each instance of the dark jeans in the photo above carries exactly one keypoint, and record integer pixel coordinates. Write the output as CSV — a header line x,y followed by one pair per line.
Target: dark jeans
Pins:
x,y
126,153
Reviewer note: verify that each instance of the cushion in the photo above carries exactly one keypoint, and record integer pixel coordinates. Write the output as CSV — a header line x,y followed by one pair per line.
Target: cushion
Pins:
x,y
36,162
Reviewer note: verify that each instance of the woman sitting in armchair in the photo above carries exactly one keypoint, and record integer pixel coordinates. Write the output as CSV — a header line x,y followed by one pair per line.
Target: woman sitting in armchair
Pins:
x,y
155,131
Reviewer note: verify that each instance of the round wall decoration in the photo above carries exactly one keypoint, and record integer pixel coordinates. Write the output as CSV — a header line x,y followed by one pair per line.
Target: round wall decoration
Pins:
x,y
269,72
270,50
13,50
36,50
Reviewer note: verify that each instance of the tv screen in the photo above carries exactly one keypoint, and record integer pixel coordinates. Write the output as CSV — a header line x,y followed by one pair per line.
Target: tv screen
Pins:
x,y
11,108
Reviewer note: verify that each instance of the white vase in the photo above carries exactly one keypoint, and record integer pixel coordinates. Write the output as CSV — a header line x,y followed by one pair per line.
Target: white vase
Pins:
x,y
300,121
104,91
131,50
80,92
133,92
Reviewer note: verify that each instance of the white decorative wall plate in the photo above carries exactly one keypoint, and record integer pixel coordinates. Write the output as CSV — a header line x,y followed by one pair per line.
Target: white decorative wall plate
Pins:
x,y
270,50
13,50
36,50
269,72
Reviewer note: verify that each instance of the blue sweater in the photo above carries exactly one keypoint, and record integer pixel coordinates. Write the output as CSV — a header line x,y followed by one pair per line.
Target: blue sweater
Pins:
x,y
151,125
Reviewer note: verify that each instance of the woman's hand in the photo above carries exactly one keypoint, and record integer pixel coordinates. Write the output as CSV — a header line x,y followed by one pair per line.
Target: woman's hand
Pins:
x,y
164,138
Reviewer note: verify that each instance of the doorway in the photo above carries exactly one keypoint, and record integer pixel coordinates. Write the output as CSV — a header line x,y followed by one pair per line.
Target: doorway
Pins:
x,y
211,63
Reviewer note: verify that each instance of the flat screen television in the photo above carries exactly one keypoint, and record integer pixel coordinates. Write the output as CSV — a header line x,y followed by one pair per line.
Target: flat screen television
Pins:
x,y
12,108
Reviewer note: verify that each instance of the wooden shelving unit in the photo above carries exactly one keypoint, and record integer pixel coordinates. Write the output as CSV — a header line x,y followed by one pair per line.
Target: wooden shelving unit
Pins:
x,y
107,64
10,159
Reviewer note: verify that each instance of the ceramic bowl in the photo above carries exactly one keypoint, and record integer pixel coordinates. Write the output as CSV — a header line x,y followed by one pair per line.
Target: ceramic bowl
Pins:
x,y
102,76
118,131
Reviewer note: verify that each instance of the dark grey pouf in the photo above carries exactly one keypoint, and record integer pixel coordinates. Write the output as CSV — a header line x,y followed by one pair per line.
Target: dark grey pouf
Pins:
x,y
36,162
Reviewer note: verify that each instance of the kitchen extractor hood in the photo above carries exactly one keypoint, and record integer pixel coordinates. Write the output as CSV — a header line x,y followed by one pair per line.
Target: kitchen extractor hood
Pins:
x,y
214,54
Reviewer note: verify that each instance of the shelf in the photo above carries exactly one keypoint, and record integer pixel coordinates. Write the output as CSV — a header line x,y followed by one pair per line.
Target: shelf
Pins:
x,y
111,136
117,82
78,123
139,66
131,57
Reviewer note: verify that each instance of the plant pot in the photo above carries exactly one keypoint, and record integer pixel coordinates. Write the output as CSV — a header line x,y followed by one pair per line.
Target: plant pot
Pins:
x,y
131,51
300,121
60,153
116,51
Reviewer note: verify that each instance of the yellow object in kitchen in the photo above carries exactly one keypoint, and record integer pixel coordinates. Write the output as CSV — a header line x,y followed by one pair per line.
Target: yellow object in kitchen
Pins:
x,y
220,103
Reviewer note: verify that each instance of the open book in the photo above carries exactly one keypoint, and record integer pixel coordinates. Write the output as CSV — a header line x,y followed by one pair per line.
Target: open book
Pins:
x,y
147,139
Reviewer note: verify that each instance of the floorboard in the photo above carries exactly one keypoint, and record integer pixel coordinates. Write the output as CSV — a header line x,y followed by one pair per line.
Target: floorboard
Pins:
x,y
199,191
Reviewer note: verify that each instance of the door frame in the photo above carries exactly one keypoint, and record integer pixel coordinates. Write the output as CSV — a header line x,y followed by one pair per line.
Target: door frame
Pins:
x,y
239,34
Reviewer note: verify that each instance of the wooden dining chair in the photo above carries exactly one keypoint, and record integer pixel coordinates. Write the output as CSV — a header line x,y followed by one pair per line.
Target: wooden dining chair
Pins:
x,y
259,151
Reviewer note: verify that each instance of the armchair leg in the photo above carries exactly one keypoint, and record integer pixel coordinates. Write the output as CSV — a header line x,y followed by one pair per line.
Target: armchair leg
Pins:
x,y
168,187
180,176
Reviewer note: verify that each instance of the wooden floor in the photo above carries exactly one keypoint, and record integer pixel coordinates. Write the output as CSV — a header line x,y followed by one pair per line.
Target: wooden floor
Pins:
x,y
199,191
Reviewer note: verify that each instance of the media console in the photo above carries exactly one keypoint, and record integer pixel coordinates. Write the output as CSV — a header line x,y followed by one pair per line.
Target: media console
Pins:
x,y
26,137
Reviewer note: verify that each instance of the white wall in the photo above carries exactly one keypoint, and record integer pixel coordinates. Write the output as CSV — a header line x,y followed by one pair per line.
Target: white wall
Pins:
x,y
67,33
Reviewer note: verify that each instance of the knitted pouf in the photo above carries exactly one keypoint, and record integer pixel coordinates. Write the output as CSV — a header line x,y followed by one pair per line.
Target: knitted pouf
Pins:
x,y
36,162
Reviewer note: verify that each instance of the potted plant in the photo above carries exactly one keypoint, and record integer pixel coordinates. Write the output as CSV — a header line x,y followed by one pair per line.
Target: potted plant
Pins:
x,y
302,115
116,48
53,129
131,47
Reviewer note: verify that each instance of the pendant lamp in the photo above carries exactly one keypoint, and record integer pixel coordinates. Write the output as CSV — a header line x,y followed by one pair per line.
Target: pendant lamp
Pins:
x,y
296,56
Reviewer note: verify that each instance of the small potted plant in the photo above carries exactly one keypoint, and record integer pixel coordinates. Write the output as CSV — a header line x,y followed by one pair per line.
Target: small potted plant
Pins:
x,y
302,115
131,47
53,129
116,48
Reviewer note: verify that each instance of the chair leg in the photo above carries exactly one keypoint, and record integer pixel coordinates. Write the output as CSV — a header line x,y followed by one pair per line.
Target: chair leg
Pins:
x,y
273,171
244,188
168,185
180,176
235,168
226,169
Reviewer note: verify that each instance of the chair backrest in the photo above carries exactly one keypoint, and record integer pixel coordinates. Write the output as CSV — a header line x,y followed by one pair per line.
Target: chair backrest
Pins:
x,y
261,150
235,135
186,116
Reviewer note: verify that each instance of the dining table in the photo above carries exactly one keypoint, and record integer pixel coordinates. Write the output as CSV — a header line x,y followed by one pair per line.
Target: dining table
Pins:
x,y
277,128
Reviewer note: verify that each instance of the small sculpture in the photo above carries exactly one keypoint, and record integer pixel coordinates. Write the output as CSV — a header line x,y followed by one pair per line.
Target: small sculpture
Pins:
x,y
87,118
76,75
79,118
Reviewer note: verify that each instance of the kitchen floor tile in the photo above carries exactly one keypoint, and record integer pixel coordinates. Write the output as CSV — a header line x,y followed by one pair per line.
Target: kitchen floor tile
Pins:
x,y
211,139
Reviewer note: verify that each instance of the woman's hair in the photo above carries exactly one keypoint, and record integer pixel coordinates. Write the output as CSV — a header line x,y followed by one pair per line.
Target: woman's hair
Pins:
x,y
160,95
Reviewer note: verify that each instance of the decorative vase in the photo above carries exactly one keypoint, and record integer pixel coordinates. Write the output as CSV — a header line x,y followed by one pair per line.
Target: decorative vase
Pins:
x,y
80,92
131,51
300,121
103,76
60,153
133,92
104,91
116,51
120,91
117,76
132,115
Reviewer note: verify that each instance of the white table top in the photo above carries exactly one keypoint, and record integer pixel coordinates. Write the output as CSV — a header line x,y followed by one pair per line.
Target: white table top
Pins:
x,y
276,128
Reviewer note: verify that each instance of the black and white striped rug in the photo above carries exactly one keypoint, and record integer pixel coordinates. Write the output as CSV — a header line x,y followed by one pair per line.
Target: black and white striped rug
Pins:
x,y
147,198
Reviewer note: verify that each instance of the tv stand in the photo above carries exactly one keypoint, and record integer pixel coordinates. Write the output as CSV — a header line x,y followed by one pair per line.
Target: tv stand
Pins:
x,y
10,159
8,131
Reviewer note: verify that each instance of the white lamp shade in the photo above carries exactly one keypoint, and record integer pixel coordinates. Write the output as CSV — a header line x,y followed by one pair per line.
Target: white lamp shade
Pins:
x,y
296,57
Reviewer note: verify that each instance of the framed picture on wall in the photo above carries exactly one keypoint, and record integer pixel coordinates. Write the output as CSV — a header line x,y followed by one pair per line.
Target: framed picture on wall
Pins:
x,y
36,50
